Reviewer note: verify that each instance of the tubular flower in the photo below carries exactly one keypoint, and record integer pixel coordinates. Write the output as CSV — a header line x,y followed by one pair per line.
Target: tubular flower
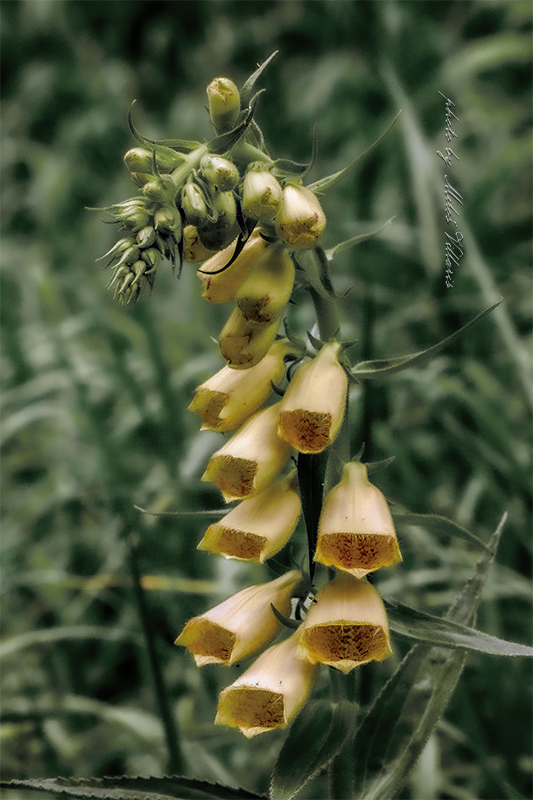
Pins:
x,y
356,532
258,527
251,459
270,693
227,399
265,291
300,220
347,626
241,625
313,406
243,344
220,287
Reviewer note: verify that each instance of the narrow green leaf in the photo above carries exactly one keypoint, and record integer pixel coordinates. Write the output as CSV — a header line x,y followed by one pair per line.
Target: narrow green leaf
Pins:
x,y
324,183
438,524
213,513
400,721
47,636
315,738
388,366
341,247
427,628
126,788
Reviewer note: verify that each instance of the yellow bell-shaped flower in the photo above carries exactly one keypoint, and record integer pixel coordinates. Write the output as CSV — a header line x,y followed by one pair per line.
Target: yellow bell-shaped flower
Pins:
x,y
251,459
257,528
300,221
266,290
227,399
241,625
221,286
243,344
313,406
270,693
356,532
346,626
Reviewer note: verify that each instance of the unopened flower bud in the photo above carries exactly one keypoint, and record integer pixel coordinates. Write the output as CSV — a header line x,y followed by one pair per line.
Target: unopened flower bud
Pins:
x,y
227,399
219,172
270,693
265,291
261,193
193,204
193,250
151,256
141,160
243,344
160,189
167,220
346,626
300,220
257,528
221,286
146,236
138,159
141,178
241,625
135,215
224,103
251,459
356,532
313,406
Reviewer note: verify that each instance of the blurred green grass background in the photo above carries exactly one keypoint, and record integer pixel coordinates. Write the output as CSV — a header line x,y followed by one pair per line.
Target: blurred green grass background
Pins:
x,y
94,396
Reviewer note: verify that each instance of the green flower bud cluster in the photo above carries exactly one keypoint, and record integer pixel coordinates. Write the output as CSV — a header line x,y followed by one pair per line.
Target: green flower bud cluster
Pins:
x,y
195,199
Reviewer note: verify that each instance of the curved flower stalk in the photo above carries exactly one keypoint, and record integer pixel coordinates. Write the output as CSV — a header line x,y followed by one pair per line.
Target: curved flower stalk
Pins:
x,y
347,625
270,693
257,528
356,532
241,625
313,406
251,459
226,400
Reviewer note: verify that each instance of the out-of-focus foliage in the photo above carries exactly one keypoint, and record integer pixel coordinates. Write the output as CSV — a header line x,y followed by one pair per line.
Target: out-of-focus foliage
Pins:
x,y
94,396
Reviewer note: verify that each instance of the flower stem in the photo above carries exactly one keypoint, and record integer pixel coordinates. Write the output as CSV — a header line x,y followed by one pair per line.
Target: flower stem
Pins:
x,y
175,762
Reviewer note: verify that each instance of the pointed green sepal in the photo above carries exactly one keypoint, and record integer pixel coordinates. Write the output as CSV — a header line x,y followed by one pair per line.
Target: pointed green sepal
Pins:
x,y
376,466
288,622
248,87
225,141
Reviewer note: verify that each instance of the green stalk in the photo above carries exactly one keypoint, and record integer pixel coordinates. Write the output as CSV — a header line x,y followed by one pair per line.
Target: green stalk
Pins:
x,y
340,771
246,153
327,315
176,763
181,173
